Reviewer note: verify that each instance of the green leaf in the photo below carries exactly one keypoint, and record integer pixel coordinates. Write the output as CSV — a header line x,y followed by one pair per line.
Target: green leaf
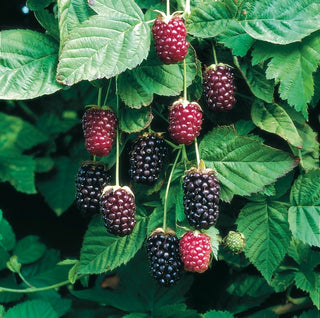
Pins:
x,y
265,226
124,41
59,190
38,4
306,189
135,120
312,313
32,309
2,311
256,80
274,119
27,65
215,239
48,22
103,252
218,314
304,217
29,249
236,38
18,134
4,256
280,22
7,297
292,66
43,164
210,19
252,286
137,87
71,14
7,236
243,165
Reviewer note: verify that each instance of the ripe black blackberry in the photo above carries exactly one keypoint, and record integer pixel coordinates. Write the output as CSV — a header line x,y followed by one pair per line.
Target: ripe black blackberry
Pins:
x,y
147,158
201,197
219,88
92,177
164,256
118,209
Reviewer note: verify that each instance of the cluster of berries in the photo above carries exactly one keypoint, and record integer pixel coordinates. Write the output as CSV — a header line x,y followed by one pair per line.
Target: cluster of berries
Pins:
x,y
167,254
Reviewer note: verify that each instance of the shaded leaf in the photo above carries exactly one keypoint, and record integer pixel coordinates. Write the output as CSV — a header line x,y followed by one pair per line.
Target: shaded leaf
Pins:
x,y
29,249
7,236
134,120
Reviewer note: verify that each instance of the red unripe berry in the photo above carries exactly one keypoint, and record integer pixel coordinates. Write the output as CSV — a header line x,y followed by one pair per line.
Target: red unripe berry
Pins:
x,y
99,129
170,39
195,250
185,120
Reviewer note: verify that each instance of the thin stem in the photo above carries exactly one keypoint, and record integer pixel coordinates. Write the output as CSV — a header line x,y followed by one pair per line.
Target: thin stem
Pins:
x,y
160,115
184,156
107,93
171,144
187,9
197,150
168,7
94,158
117,139
214,54
99,96
167,192
25,281
33,289
27,110
184,79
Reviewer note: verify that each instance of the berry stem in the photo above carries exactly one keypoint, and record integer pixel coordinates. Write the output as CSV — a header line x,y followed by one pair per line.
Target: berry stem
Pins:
x,y
117,138
168,7
184,79
107,93
214,54
94,158
184,156
197,150
167,192
99,97
187,9
171,144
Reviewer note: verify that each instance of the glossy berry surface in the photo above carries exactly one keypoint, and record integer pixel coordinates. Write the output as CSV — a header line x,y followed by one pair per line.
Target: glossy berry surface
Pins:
x,y
164,257
195,250
99,128
201,196
147,158
185,122
170,40
219,88
90,181
118,210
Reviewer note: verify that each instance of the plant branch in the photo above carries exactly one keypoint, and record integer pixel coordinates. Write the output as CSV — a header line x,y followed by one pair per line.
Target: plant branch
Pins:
x,y
167,191
24,280
99,97
300,303
184,80
117,138
214,53
197,150
107,93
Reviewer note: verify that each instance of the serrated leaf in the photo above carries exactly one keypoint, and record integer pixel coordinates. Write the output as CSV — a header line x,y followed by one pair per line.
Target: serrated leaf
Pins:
x,y
218,314
215,239
209,19
280,22
252,286
18,134
256,80
292,66
27,64
4,256
103,252
124,41
306,189
135,120
48,22
282,280
265,226
18,170
29,249
59,189
274,119
32,309
243,165
236,38
137,87
7,236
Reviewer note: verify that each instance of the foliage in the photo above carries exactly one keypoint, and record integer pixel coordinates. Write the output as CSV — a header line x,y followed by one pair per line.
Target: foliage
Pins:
x,y
264,152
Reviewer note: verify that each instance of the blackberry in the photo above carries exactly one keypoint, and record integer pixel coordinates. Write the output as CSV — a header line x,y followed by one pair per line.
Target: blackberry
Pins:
x,y
185,120
118,209
92,177
170,39
219,88
163,253
99,128
201,197
147,158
